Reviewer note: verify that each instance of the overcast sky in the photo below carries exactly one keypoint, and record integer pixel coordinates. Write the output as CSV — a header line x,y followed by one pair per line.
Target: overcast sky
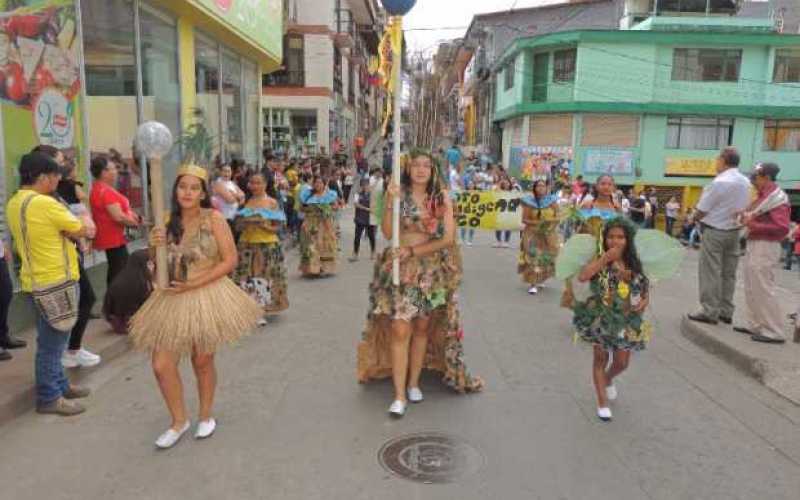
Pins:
x,y
451,14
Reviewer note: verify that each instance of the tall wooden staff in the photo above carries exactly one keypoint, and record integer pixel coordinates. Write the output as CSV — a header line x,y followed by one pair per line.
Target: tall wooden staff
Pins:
x,y
154,140
397,9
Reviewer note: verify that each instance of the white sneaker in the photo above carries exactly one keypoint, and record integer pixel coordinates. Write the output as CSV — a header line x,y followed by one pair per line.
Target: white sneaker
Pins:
x,y
604,414
205,428
171,437
415,395
262,322
82,358
497,245
611,392
469,243
398,408
533,290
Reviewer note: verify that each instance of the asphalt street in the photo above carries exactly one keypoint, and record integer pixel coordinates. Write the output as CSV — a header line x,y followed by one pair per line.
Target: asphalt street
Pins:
x,y
294,424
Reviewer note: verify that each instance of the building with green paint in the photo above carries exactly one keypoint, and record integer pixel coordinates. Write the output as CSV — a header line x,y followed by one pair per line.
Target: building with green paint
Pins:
x,y
652,104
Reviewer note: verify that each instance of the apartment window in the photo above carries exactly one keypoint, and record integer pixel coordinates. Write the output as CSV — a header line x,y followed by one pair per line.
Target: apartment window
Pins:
x,y
699,133
564,65
337,70
781,135
706,65
509,75
787,66
293,73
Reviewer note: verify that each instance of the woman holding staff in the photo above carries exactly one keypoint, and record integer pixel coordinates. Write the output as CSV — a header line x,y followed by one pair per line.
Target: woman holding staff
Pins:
x,y
318,241
416,325
540,242
200,310
261,271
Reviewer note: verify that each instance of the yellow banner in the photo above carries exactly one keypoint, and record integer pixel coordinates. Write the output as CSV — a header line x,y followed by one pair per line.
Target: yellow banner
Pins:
x,y
691,167
490,210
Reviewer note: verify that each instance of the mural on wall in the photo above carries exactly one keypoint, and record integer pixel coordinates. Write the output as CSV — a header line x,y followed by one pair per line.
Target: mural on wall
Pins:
x,y
39,80
531,163
616,162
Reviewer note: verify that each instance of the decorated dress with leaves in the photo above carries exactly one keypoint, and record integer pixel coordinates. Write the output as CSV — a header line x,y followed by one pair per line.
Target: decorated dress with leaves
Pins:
x,y
318,241
540,239
428,289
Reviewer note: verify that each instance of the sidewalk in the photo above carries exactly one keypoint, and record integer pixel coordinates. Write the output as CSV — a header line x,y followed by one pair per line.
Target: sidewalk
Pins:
x,y
17,395
775,366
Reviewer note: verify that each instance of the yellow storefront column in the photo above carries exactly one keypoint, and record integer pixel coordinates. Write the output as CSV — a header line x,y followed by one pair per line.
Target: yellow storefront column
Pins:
x,y
187,74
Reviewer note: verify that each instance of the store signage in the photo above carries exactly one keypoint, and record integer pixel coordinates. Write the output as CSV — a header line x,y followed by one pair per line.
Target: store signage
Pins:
x,y
54,119
609,162
691,167
261,21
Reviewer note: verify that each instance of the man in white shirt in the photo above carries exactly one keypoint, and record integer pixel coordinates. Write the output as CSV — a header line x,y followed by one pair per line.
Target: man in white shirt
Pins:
x,y
718,210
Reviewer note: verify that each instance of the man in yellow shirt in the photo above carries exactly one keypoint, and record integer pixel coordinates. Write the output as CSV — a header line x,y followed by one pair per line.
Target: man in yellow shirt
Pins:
x,y
48,222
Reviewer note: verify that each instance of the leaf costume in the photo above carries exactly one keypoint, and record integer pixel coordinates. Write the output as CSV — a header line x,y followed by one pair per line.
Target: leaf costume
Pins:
x,y
319,244
540,241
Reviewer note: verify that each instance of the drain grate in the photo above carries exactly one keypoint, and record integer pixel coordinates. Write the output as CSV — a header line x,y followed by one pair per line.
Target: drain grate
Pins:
x,y
430,458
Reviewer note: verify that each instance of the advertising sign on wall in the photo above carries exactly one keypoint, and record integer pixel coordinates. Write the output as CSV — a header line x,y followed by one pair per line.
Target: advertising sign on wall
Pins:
x,y
39,80
259,20
539,162
690,167
617,162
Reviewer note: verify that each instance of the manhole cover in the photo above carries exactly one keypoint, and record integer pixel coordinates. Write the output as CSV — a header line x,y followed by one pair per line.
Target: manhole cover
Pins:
x,y
430,457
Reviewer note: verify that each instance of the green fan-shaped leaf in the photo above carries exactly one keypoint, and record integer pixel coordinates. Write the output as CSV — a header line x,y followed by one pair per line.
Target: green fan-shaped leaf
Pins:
x,y
577,252
660,254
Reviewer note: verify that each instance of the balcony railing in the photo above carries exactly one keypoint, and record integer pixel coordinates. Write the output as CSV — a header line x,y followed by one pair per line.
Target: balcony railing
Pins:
x,y
286,79
344,27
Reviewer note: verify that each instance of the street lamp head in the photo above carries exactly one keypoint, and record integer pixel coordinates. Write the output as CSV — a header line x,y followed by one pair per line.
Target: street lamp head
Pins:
x,y
398,7
153,139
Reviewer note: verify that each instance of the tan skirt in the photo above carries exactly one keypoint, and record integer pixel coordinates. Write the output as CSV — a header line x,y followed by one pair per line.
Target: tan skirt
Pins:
x,y
195,321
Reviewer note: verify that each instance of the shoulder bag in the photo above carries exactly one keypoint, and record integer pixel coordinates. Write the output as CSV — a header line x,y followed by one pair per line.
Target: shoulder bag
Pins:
x,y
57,303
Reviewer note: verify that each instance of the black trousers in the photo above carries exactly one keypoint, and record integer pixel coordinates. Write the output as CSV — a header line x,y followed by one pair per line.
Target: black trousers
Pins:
x,y
117,259
6,293
346,192
360,228
85,303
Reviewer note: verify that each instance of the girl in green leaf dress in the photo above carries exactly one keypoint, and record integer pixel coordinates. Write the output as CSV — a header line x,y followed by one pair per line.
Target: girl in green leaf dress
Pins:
x,y
611,318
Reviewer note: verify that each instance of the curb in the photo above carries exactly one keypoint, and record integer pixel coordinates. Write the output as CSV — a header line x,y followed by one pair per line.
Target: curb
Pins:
x,y
782,379
23,398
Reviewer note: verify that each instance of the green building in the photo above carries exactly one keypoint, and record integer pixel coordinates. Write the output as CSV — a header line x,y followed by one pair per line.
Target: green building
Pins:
x,y
653,104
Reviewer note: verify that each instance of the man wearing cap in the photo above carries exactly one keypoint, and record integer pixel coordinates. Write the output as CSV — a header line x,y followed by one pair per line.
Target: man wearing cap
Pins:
x,y
723,200
767,220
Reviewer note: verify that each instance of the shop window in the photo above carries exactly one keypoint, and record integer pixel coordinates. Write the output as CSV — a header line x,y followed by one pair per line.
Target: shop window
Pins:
x,y
293,73
564,65
699,133
787,66
781,135
232,104
510,75
207,86
337,70
706,65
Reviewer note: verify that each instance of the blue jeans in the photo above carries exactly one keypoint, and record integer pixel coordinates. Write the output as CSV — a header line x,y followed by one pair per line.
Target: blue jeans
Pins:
x,y
467,234
51,382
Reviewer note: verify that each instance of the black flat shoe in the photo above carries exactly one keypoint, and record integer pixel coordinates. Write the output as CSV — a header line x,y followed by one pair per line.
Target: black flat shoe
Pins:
x,y
745,330
727,321
12,343
702,318
5,355
767,340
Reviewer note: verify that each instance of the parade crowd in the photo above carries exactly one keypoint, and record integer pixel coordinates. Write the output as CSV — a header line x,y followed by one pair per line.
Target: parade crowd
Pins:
x,y
230,226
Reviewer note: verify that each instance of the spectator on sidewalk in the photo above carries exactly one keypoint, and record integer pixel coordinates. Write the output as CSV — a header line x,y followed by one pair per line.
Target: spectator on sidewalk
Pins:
x,y
43,251
789,246
652,199
111,212
767,221
671,210
727,196
6,293
70,193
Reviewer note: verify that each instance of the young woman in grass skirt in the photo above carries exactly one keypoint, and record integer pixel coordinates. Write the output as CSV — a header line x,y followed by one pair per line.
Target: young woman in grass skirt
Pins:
x,y
261,271
417,325
540,242
319,245
200,311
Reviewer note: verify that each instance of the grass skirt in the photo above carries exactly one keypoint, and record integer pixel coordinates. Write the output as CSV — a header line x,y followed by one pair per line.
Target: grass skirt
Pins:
x,y
538,251
429,286
198,320
261,273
